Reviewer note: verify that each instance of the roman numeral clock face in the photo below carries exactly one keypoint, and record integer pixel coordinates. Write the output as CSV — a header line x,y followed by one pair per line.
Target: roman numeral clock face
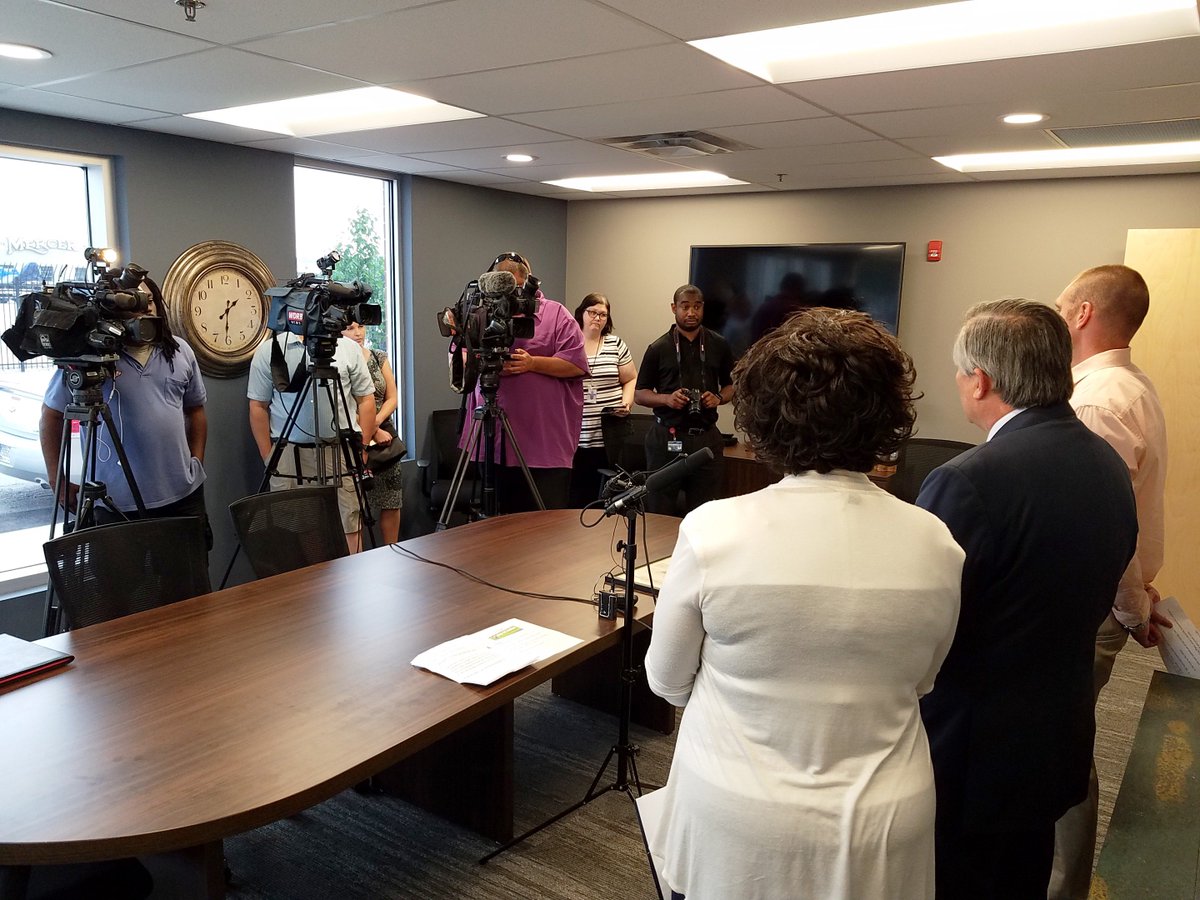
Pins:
x,y
215,293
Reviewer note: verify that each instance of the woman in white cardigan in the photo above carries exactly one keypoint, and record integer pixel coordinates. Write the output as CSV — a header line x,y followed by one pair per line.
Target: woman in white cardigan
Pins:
x,y
799,625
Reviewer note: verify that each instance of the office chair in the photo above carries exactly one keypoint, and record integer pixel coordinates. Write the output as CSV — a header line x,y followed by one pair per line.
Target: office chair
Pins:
x,y
285,530
918,457
110,571
437,466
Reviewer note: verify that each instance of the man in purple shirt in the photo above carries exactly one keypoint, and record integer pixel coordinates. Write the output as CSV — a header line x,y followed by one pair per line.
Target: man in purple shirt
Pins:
x,y
541,393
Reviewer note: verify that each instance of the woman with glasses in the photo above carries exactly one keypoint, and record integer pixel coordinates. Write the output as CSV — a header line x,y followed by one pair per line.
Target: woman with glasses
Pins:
x,y
607,398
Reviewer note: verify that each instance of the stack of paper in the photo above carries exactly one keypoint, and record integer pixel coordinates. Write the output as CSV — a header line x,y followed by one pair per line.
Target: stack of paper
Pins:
x,y
488,655
1180,647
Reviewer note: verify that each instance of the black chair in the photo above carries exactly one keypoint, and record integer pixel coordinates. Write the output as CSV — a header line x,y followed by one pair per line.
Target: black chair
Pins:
x,y
110,571
918,457
437,465
289,529
631,454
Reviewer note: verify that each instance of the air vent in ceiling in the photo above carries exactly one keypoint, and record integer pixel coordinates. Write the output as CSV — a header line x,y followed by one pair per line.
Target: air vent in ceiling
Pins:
x,y
1134,133
677,144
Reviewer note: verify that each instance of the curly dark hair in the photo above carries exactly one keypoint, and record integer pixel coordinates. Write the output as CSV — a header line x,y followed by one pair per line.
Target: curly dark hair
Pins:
x,y
828,389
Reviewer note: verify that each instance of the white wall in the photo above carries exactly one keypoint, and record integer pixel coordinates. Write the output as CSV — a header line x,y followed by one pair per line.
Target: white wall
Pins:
x,y
1024,238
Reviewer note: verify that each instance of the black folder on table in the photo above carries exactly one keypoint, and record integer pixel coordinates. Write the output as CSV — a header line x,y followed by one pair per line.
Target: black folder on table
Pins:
x,y
20,659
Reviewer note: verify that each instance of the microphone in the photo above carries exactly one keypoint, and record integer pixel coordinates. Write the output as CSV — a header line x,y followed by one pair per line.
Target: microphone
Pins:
x,y
497,284
657,481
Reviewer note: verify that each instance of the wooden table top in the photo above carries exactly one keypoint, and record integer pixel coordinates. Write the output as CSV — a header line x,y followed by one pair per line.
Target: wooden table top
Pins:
x,y
186,724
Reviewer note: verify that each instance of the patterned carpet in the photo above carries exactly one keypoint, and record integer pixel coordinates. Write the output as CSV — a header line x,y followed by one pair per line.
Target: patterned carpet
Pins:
x,y
357,846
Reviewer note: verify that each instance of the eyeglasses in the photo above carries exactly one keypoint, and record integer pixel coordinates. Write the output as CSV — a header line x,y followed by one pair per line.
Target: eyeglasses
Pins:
x,y
596,314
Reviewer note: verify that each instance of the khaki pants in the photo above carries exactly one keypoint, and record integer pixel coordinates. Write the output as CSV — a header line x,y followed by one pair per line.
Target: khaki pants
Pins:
x,y
285,478
1075,832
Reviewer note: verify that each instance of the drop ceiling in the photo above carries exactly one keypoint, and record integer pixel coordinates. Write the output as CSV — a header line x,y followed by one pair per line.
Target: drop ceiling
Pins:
x,y
557,78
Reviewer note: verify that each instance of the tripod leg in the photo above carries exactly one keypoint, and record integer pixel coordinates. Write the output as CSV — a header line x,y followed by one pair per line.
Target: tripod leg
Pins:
x,y
460,471
512,439
125,467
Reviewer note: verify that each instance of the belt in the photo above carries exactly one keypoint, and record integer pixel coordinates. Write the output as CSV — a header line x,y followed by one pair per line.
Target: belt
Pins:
x,y
690,432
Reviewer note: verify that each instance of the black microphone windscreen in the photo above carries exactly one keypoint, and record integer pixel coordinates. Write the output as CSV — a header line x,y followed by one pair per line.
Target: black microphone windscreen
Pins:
x,y
497,283
672,473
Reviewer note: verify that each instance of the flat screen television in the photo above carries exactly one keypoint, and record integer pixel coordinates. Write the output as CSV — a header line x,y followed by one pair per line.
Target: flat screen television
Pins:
x,y
750,290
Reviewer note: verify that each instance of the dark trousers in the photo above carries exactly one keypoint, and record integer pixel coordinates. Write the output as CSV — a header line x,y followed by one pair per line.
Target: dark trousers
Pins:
x,y
585,475
702,485
999,865
512,491
191,505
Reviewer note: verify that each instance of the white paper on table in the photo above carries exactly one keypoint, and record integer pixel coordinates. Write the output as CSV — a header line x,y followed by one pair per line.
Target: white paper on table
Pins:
x,y
488,655
651,576
1180,646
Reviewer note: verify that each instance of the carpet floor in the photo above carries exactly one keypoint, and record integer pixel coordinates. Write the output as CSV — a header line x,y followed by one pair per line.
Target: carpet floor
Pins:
x,y
357,847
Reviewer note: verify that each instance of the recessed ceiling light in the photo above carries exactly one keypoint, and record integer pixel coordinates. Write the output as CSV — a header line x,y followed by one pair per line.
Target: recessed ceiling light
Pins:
x,y
23,51
654,181
1079,157
359,109
520,157
949,33
1024,118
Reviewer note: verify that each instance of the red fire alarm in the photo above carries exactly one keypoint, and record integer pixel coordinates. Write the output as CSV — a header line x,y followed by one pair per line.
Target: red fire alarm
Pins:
x,y
934,252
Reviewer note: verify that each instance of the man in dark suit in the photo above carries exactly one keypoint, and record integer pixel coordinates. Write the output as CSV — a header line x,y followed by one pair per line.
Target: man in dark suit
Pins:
x,y
1045,512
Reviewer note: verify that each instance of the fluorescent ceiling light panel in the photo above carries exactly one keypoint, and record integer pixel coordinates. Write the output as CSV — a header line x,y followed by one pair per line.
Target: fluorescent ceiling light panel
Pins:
x,y
359,109
1082,157
654,181
950,33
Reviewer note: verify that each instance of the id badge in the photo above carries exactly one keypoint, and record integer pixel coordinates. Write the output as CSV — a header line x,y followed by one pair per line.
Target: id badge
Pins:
x,y
675,445
591,393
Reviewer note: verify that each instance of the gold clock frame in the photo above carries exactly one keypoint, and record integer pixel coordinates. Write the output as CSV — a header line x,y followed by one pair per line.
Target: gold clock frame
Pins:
x,y
192,265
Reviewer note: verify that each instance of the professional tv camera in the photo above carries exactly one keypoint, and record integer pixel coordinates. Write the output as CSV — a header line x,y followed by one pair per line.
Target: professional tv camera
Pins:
x,y
86,322
492,313
318,308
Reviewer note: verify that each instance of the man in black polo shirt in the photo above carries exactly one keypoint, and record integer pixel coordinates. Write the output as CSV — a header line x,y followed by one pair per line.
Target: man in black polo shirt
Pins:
x,y
685,375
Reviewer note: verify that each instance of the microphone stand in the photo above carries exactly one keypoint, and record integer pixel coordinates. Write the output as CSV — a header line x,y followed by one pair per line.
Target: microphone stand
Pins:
x,y
624,751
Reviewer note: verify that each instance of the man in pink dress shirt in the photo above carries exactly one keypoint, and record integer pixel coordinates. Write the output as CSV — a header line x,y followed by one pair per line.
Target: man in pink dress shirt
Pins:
x,y
1103,308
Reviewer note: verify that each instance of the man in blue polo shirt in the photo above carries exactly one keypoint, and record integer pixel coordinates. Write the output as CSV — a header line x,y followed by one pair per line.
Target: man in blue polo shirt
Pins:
x,y
156,397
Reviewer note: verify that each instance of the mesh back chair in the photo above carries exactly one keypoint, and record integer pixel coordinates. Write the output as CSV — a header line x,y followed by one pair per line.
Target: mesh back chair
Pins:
x,y
110,571
438,463
918,457
285,530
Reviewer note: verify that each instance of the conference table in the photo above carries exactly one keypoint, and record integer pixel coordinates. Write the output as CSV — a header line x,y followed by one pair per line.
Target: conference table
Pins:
x,y
183,725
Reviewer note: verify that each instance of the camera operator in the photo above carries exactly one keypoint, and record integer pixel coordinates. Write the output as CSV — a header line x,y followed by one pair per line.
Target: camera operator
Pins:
x,y
685,375
157,398
269,409
541,393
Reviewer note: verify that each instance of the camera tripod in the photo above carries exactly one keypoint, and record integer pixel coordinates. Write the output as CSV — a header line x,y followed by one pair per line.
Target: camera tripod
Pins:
x,y
481,443
625,752
346,461
88,407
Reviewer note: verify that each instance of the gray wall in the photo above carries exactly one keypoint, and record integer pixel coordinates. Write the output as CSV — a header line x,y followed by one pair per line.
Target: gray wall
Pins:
x,y
1017,238
173,192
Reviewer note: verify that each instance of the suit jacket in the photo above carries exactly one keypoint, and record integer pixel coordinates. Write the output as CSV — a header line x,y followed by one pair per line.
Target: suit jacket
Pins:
x,y
1046,516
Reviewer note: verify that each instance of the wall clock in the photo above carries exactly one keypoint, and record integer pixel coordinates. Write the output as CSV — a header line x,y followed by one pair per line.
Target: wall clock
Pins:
x,y
214,294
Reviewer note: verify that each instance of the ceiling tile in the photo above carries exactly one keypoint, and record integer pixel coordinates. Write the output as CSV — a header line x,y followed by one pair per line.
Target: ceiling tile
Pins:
x,y
694,112
228,23
81,42
700,20
826,130
213,79
465,134
44,101
551,153
460,36
607,78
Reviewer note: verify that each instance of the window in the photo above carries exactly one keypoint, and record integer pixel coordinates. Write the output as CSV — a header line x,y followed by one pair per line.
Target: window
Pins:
x,y
55,206
353,214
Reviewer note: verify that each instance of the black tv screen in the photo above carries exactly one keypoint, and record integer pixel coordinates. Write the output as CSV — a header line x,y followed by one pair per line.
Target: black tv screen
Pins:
x,y
750,290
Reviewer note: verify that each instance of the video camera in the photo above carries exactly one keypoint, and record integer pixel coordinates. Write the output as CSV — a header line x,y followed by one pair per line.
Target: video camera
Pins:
x,y
492,312
319,309
87,321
